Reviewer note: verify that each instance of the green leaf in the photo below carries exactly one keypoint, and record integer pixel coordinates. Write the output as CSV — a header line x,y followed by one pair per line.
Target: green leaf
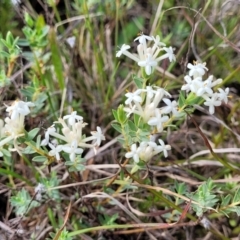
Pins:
x,y
237,210
56,58
236,197
226,200
33,133
28,150
9,39
39,159
181,188
204,197
117,127
138,81
132,126
181,100
23,42
69,163
6,152
192,99
136,119
38,142
4,54
80,167
23,203
72,169
121,115
29,21
121,140
108,220
44,31
115,114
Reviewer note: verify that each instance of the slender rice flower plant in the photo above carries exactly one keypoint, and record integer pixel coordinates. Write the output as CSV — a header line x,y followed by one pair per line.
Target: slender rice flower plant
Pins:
x,y
71,139
148,57
152,108
196,85
144,103
14,125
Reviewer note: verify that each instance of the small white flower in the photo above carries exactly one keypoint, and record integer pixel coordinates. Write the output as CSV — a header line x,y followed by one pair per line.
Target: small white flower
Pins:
x,y
72,150
223,95
13,127
171,107
143,38
213,83
164,148
55,151
72,118
169,53
146,150
149,63
187,86
159,95
130,110
150,92
134,153
158,120
122,50
212,102
47,135
196,84
98,136
133,97
197,70
204,88
19,108
157,42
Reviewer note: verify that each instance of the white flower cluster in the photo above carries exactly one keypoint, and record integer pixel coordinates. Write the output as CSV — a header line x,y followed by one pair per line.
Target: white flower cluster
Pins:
x,y
147,150
14,124
72,136
148,56
204,88
145,102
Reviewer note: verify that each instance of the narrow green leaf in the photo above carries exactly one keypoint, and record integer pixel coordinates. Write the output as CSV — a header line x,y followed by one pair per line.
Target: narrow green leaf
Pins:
x,y
56,58
33,133
132,126
121,114
115,115
117,127
39,159
236,197
192,99
226,200
136,119
4,54
28,150
138,81
38,142
181,100
237,210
